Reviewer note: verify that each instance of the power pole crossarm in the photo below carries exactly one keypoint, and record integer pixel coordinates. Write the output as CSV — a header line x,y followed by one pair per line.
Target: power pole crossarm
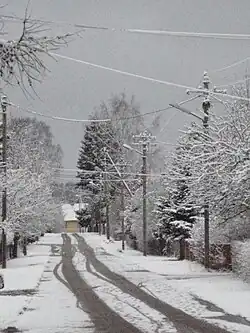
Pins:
x,y
119,173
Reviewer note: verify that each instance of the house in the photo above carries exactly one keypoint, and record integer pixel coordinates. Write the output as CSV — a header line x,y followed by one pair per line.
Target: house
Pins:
x,y
71,222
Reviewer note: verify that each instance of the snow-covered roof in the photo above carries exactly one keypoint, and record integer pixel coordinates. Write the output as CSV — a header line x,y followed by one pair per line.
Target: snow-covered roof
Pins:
x,y
69,213
66,207
70,216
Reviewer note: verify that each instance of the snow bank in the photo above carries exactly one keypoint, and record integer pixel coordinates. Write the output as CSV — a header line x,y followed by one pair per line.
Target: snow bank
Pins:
x,y
155,264
24,273
241,259
21,274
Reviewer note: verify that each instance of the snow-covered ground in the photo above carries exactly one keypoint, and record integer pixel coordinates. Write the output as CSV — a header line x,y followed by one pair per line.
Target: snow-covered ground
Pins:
x,y
34,300
54,308
131,309
22,275
221,298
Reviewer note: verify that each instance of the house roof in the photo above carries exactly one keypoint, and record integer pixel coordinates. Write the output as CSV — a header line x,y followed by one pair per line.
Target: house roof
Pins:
x,y
69,213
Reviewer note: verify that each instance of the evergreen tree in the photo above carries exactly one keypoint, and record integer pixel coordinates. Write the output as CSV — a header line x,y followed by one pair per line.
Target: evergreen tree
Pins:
x,y
176,214
84,217
92,155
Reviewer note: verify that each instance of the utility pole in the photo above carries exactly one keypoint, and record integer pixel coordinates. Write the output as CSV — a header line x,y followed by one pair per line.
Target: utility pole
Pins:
x,y
206,105
106,195
4,160
100,207
122,210
144,139
247,87
123,165
144,197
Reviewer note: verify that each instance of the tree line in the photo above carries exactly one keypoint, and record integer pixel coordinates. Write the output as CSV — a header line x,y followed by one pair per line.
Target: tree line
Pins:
x,y
211,167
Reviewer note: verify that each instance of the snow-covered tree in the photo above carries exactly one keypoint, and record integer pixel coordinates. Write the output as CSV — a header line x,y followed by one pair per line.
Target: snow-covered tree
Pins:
x,y
220,168
31,163
84,216
128,121
22,59
175,211
92,155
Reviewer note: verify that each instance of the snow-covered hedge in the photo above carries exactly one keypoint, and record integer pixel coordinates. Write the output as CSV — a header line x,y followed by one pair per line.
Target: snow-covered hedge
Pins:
x,y
241,259
9,237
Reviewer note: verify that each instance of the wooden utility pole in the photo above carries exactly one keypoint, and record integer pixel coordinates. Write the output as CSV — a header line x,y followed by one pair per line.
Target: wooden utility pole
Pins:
x,y
106,196
100,207
144,139
123,165
144,196
206,105
4,160
122,210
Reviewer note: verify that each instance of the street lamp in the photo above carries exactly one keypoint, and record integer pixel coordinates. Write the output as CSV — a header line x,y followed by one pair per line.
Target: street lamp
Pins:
x,y
128,147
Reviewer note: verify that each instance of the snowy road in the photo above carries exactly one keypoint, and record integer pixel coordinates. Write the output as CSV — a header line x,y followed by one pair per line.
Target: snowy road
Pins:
x,y
53,308
104,319
182,322
77,293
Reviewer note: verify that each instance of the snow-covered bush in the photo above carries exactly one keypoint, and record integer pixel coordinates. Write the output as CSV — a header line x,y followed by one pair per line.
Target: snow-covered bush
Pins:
x,y
241,259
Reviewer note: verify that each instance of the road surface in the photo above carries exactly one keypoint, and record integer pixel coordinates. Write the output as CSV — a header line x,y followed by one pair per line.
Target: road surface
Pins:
x,y
65,302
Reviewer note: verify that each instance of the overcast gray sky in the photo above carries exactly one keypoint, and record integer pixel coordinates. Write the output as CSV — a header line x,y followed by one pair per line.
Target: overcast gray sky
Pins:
x,y
73,90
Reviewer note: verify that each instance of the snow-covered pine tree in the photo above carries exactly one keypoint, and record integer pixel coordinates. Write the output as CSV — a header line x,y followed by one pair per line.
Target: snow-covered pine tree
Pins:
x,y
84,217
90,163
176,213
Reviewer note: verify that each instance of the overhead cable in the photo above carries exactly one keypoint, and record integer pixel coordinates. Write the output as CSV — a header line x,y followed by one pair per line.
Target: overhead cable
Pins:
x,y
146,78
162,32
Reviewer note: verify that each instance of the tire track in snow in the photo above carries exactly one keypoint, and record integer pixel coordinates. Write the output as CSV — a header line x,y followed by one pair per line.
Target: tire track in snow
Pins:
x,y
183,322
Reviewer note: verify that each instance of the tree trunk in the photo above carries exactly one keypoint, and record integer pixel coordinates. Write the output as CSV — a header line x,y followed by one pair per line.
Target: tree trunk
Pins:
x,y
25,246
182,249
15,247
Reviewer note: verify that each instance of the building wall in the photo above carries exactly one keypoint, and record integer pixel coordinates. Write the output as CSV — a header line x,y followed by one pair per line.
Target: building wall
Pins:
x,y
72,226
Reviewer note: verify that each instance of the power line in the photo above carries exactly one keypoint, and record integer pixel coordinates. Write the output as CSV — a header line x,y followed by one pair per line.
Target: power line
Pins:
x,y
234,64
18,107
233,83
105,172
162,32
28,110
146,78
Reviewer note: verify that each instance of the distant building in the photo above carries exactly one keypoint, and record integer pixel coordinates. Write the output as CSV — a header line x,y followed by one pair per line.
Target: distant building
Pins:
x,y
70,220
